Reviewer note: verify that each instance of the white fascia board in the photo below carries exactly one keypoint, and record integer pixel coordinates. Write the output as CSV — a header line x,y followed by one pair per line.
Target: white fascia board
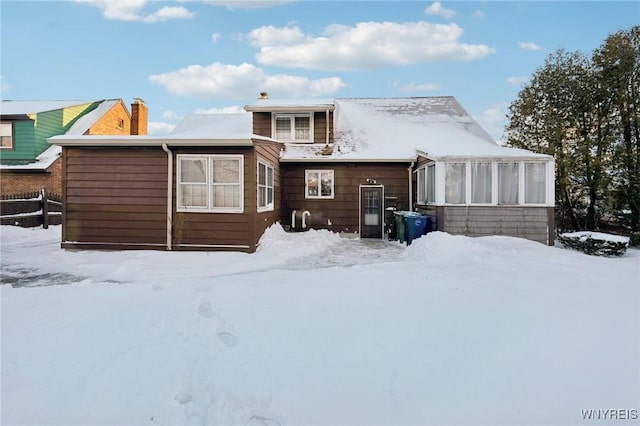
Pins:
x,y
290,108
346,160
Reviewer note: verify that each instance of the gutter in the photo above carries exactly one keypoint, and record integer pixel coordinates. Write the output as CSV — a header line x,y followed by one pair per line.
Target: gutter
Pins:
x,y
410,169
169,193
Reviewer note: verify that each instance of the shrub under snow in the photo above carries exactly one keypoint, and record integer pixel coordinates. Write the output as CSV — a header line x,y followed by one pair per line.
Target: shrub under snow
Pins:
x,y
595,243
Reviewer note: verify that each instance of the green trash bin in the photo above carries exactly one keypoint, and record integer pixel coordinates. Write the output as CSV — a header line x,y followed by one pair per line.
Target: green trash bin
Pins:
x,y
399,216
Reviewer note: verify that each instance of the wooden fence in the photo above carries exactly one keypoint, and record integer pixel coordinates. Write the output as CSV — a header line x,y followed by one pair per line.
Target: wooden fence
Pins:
x,y
31,209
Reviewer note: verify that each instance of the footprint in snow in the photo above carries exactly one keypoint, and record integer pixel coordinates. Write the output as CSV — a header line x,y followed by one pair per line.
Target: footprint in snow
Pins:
x,y
262,421
228,339
205,310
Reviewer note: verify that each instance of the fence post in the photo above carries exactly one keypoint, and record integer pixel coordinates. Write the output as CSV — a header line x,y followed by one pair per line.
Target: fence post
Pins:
x,y
45,208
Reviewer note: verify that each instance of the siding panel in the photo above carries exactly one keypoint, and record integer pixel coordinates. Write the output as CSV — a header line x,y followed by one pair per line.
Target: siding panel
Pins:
x,y
115,198
340,214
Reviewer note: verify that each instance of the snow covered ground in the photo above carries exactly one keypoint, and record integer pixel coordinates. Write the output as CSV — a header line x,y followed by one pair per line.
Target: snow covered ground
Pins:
x,y
316,329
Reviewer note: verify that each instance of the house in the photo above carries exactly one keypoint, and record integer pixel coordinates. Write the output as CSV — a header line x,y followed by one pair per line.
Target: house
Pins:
x,y
28,163
218,181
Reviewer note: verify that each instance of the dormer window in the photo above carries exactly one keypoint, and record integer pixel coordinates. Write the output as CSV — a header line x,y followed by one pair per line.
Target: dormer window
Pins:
x,y
293,127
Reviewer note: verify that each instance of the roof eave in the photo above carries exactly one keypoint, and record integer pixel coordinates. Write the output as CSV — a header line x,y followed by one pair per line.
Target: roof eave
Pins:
x,y
289,108
106,142
346,160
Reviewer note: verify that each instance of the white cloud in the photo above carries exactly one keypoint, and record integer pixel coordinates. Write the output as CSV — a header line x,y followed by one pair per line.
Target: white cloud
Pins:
x,y
4,86
528,46
234,109
171,116
436,8
494,120
416,87
478,14
132,10
215,37
517,81
245,4
269,35
365,45
241,81
159,128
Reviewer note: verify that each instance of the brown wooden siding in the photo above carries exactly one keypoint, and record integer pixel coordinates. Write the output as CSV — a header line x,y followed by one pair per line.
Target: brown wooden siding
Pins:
x,y
262,125
340,214
269,152
218,231
532,223
114,198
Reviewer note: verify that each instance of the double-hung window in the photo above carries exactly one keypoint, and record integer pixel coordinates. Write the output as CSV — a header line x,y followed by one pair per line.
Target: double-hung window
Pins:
x,y
265,186
319,183
293,127
210,183
6,135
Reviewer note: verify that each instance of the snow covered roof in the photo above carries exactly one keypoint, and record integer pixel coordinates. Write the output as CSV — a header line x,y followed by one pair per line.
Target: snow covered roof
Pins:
x,y
85,122
269,105
33,107
394,129
194,129
80,127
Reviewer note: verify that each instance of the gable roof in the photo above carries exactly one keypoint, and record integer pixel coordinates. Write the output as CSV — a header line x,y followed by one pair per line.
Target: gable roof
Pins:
x,y
9,107
194,129
296,104
85,122
394,129
80,127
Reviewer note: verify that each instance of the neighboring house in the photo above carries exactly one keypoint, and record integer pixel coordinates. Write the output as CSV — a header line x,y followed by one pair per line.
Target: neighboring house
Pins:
x,y
218,181
28,163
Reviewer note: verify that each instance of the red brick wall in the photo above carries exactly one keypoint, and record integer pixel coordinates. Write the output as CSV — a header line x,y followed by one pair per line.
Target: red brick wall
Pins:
x,y
12,182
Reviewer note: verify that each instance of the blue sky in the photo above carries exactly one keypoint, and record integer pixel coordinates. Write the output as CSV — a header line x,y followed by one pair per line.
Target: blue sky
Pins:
x,y
193,56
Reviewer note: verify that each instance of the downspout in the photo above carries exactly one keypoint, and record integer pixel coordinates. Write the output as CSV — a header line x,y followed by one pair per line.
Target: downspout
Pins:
x,y
327,126
410,169
169,193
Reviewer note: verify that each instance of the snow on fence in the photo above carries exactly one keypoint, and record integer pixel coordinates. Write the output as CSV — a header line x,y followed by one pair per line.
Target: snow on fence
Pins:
x,y
31,209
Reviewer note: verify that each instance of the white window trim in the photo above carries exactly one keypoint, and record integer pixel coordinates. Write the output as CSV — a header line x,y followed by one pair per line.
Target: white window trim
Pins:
x,y
293,115
209,184
269,206
319,196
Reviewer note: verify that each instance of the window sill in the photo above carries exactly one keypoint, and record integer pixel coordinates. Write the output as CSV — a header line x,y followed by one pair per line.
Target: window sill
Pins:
x,y
234,211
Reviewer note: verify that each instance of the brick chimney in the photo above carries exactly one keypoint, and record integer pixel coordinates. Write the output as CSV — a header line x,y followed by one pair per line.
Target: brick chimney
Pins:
x,y
139,114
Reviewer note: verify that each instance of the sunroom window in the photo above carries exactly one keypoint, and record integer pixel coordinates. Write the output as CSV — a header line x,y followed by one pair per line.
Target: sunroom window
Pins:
x,y
535,183
481,183
455,183
319,184
427,184
293,127
210,183
508,183
6,135
265,187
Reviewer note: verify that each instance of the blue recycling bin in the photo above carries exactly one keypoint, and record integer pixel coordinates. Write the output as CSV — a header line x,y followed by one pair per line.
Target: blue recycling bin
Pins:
x,y
416,225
